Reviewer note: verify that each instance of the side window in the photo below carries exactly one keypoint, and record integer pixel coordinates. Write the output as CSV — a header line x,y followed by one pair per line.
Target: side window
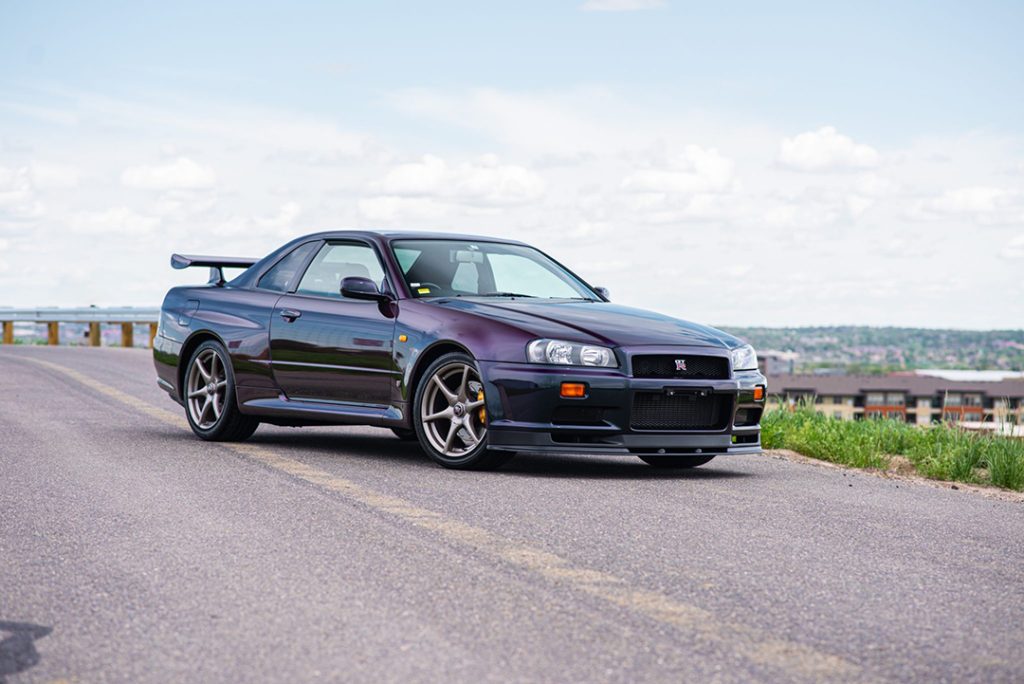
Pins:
x,y
284,271
337,261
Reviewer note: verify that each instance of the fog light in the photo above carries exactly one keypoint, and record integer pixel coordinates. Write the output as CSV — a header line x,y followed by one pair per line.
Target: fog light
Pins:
x,y
574,390
758,393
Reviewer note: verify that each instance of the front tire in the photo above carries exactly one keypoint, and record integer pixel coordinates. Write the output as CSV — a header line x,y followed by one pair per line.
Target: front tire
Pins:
x,y
675,461
210,397
449,415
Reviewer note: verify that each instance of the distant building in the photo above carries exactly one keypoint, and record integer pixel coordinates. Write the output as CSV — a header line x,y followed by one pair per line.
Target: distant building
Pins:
x,y
773,362
970,375
920,399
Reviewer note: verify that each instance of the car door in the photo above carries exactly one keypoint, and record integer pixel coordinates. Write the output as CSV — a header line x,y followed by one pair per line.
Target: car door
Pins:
x,y
326,347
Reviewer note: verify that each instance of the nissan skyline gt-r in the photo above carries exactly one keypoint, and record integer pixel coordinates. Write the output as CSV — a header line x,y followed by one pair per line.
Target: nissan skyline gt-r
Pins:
x,y
475,347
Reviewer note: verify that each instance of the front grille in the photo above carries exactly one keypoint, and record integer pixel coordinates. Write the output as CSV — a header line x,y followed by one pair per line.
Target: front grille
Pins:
x,y
664,366
680,411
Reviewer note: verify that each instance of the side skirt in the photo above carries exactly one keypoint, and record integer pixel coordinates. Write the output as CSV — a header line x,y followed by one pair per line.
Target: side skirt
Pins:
x,y
289,411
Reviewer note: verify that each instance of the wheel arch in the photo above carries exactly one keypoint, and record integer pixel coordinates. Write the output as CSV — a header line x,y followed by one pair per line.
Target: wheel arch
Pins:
x,y
427,357
188,348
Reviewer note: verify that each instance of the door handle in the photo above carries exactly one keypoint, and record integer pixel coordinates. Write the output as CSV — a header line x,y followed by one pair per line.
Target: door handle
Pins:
x,y
290,314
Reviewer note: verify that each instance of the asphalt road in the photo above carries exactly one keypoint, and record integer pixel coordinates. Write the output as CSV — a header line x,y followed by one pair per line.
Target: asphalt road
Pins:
x,y
132,551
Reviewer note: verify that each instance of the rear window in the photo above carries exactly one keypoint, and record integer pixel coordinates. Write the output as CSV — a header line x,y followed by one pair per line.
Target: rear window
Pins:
x,y
283,273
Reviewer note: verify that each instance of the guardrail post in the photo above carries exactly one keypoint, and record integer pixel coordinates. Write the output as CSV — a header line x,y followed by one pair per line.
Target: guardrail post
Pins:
x,y
53,333
94,335
127,335
152,333
8,332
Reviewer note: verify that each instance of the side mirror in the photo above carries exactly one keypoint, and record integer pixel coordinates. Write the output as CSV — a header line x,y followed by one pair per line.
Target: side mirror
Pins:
x,y
603,291
357,287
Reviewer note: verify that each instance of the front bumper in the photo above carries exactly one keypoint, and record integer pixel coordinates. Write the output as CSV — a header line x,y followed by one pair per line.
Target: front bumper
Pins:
x,y
527,413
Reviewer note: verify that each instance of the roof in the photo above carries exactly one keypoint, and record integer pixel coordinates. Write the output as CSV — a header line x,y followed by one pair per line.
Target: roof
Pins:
x,y
980,375
914,385
409,235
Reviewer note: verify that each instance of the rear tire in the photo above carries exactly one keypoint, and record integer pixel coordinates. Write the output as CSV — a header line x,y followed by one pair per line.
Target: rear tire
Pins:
x,y
448,412
675,461
209,395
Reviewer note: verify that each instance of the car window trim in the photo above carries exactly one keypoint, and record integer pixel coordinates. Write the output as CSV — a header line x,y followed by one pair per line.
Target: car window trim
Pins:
x,y
302,268
292,290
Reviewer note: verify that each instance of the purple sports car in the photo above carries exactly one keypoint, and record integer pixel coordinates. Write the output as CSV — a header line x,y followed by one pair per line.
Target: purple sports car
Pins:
x,y
475,347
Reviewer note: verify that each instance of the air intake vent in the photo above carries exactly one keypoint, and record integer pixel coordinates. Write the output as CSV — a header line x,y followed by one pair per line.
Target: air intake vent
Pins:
x,y
680,411
681,366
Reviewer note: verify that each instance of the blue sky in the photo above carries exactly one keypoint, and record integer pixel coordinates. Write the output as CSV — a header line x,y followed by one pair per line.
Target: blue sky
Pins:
x,y
841,154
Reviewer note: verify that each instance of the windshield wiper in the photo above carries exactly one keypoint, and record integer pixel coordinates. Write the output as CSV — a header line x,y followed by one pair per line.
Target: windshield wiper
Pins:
x,y
504,294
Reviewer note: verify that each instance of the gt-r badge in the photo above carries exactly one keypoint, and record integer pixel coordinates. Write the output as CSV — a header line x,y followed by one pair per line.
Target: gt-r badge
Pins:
x,y
680,364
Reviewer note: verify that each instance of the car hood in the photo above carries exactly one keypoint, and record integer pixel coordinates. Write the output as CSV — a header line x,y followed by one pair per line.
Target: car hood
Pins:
x,y
600,322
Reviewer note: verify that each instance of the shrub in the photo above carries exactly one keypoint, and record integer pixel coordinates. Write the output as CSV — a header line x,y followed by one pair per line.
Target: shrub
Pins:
x,y
944,452
1005,460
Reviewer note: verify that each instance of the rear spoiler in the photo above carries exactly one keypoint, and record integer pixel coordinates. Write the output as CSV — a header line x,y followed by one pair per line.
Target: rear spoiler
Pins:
x,y
216,264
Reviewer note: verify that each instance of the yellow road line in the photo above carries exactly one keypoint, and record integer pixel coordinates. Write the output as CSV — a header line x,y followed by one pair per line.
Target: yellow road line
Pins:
x,y
745,641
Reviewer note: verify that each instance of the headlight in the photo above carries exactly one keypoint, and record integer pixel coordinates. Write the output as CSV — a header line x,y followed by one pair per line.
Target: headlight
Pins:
x,y
570,354
744,358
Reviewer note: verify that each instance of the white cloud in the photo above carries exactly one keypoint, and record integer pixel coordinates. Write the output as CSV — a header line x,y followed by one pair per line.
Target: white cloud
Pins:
x,y
816,207
563,125
483,182
608,183
693,185
180,174
620,5
53,176
279,225
984,204
388,209
1014,248
694,170
17,195
114,221
286,133
825,149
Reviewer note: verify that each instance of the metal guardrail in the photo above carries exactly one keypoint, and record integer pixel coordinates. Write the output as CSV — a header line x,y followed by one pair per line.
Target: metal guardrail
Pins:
x,y
125,316
89,314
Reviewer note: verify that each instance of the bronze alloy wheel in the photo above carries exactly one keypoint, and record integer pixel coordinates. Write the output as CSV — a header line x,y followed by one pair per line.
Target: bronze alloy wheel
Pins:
x,y
450,410
206,387
209,396
451,415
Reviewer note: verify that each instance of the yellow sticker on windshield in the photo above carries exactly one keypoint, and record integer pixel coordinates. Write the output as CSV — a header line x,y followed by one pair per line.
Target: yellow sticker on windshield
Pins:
x,y
423,290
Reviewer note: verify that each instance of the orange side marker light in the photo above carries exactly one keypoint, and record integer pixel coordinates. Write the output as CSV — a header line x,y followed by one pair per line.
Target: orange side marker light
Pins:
x,y
758,393
574,390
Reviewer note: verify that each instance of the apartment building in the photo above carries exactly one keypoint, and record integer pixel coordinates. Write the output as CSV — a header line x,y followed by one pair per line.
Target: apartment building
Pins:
x,y
919,399
772,362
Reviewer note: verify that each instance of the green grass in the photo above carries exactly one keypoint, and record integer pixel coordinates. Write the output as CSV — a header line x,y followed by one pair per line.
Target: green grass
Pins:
x,y
942,452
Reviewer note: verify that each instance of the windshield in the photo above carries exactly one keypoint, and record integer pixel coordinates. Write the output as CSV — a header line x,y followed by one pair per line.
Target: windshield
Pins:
x,y
458,268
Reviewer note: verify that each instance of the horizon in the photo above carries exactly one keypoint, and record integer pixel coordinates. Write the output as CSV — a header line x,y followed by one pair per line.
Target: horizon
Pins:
x,y
813,165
